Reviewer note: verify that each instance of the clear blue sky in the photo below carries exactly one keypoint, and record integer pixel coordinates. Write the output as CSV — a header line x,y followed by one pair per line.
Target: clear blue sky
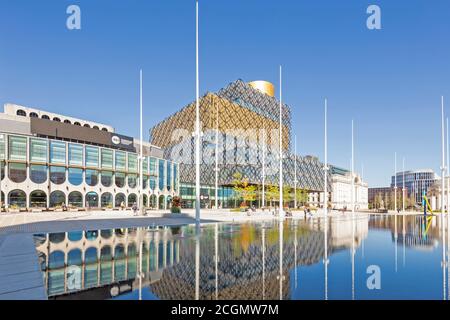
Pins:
x,y
390,81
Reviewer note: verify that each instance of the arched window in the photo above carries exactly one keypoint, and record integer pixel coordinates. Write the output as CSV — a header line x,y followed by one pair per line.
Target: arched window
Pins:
x,y
107,178
132,180
38,199
33,115
132,198
90,270
91,235
74,257
56,119
120,197
92,199
153,201
75,176
56,260
75,199
38,173
57,174
86,125
67,121
145,200
46,117
107,200
161,202
57,237
17,172
120,179
104,129
95,127
119,263
75,236
91,177
57,198
106,234
105,265
77,124
132,265
21,113
17,198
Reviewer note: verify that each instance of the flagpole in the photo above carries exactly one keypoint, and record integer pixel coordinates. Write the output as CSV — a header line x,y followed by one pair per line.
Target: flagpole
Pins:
x,y
217,159
395,184
403,187
281,147
295,172
325,169
353,170
197,122
141,153
264,169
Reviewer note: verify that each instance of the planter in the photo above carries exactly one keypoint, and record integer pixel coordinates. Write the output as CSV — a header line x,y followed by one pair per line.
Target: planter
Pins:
x,y
13,210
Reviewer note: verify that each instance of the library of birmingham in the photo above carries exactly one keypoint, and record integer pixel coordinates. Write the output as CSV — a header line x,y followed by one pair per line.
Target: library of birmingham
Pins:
x,y
49,161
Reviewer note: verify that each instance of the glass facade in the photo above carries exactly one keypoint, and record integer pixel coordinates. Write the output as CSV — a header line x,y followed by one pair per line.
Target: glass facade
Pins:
x,y
42,161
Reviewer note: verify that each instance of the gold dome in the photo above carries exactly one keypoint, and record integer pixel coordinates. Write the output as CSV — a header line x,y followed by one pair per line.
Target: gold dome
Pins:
x,y
264,86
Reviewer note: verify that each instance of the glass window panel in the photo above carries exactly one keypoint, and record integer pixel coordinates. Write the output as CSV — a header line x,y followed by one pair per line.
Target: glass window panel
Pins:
x,y
38,173
38,150
17,148
17,172
132,180
120,179
152,183
169,175
57,152
91,156
145,165
153,166
75,176
75,154
121,160
57,175
132,162
91,177
161,174
107,178
107,158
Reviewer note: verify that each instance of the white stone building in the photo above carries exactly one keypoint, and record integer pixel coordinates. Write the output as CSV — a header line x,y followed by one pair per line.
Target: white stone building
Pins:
x,y
341,190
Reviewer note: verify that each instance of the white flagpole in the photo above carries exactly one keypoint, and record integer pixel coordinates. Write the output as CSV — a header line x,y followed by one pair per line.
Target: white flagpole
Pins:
x,y
141,153
325,169
281,147
295,172
443,171
395,184
264,169
353,170
217,158
403,187
197,123
448,178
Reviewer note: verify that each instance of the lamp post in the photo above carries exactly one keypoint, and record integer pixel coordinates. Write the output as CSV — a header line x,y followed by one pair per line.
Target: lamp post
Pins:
x,y
197,123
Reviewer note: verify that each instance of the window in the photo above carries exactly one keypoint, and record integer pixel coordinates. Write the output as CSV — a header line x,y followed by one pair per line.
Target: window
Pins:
x,y
17,172
175,176
77,124
38,150
120,179
57,199
107,178
107,159
46,117
153,167
86,125
120,198
75,154
67,121
34,115
57,152
132,198
75,176
144,181
104,129
91,157
132,162
169,175
107,200
145,166
2,170
57,175
38,173
91,177
161,174
56,119
121,160
132,180
75,199
17,198
92,199
152,183
38,199
21,113
17,148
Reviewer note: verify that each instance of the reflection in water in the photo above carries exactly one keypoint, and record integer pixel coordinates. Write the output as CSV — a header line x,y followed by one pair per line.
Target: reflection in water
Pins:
x,y
274,260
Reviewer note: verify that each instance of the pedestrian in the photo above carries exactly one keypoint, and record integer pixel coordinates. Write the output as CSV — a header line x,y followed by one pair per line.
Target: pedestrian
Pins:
x,y
135,208
122,206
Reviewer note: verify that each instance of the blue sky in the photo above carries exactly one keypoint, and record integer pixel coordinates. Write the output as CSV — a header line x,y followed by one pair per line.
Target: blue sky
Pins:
x,y
390,80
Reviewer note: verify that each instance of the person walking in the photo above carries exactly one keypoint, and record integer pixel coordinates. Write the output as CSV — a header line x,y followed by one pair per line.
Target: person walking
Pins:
x,y
122,206
135,208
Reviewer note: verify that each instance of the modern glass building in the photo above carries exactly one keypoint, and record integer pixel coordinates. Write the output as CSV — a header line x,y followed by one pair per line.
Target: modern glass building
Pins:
x,y
240,128
48,161
417,182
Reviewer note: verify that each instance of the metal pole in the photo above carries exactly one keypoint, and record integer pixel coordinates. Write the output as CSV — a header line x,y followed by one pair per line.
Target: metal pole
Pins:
x,y
353,170
217,157
443,170
325,169
197,123
264,169
403,187
295,172
281,211
141,153
395,184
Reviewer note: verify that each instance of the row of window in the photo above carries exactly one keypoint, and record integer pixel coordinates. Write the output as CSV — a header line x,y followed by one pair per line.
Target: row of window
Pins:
x,y
54,152
38,199
32,114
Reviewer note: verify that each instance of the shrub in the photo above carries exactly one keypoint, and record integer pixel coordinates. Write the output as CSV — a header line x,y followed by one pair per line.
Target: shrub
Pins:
x,y
175,210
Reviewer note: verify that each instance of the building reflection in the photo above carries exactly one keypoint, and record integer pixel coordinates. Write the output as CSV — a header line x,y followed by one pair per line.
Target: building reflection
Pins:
x,y
101,264
217,261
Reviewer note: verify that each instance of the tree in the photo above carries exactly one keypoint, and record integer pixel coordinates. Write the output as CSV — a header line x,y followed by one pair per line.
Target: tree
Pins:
x,y
272,193
243,189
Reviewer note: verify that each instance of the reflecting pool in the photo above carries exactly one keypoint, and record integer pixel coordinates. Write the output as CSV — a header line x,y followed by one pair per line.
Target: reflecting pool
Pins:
x,y
378,257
